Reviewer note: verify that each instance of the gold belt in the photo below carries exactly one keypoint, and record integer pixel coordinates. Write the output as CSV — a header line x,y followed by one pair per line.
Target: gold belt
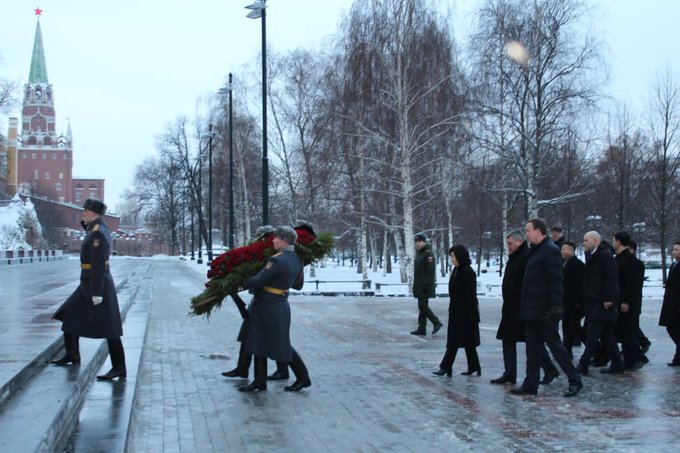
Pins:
x,y
277,291
88,266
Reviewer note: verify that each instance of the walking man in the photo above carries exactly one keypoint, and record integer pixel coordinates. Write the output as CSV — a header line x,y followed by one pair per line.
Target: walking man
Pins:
x,y
511,329
424,285
269,325
92,310
541,309
602,293
670,310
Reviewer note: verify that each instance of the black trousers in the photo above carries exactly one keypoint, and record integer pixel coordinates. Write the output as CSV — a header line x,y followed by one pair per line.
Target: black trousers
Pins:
x,y
598,330
510,360
538,334
674,333
425,313
626,328
450,357
572,329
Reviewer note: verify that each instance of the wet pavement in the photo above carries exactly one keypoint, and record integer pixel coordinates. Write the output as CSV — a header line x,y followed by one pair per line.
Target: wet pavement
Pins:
x,y
373,389
372,385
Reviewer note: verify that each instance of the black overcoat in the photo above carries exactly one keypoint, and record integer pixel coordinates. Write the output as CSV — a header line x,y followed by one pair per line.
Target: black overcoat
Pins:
x,y
424,268
629,282
543,281
463,328
269,324
670,310
510,327
79,315
574,286
602,284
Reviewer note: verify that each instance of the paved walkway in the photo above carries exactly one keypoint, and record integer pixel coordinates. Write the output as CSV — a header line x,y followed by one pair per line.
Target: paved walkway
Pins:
x,y
373,389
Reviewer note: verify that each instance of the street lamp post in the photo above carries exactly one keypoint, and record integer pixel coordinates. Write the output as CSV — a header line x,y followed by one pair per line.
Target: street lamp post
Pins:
x,y
199,211
191,211
258,11
210,178
223,91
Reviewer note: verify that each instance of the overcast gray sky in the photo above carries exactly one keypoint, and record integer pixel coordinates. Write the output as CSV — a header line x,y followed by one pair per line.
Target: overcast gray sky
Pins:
x,y
122,70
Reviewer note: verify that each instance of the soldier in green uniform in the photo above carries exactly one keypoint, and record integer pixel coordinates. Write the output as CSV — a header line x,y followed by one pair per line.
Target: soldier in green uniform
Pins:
x,y
423,285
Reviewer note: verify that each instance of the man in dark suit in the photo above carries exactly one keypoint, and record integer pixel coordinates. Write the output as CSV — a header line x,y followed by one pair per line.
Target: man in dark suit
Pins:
x,y
574,297
556,236
645,343
670,310
541,309
630,302
511,329
602,297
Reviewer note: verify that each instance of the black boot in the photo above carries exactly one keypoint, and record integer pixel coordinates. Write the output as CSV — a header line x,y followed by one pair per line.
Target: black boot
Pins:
x,y
242,364
301,374
117,354
260,381
71,351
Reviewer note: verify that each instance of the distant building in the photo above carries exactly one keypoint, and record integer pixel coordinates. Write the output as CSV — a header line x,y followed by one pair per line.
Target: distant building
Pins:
x,y
40,161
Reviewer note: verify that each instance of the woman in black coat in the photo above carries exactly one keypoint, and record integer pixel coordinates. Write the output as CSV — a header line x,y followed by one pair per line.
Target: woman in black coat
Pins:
x,y
463,331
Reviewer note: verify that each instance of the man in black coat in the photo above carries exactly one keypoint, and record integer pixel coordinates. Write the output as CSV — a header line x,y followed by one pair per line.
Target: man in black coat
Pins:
x,y
645,343
511,329
556,236
670,310
541,309
269,326
630,302
602,297
574,297
92,310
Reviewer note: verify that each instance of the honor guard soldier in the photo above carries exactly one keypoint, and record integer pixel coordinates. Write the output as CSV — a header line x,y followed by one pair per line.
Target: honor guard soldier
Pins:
x,y
92,310
269,325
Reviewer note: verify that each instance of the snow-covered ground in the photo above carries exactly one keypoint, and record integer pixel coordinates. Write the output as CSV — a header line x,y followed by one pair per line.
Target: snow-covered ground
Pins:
x,y
336,278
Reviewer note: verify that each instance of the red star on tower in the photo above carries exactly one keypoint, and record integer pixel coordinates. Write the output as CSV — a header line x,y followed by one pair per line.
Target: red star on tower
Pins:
x,y
38,11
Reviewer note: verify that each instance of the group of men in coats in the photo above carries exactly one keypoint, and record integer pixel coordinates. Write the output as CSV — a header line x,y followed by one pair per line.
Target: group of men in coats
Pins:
x,y
606,289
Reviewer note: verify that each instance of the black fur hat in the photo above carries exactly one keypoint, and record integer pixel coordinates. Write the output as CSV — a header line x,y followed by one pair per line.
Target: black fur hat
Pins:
x,y
94,205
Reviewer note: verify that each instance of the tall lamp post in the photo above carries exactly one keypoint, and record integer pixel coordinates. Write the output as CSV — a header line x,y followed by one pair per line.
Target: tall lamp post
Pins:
x,y
210,178
199,211
258,11
223,91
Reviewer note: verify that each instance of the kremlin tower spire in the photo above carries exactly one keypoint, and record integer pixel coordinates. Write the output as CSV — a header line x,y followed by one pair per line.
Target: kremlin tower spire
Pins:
x,y
45,159
38,73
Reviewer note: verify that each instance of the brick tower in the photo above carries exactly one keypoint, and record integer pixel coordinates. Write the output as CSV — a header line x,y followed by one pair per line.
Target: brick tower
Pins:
x,y
44,160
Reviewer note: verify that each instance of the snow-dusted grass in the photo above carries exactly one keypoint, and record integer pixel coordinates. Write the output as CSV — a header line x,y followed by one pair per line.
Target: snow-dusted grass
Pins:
x,y
332,277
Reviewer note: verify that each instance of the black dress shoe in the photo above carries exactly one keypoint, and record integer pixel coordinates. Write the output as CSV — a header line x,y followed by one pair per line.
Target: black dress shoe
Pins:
x,y
442,372
503,380
636,365
278,376
645,347
66,359
418,332
298,385
112,374
549,377
673,363
236,372
522,390
437,327
254,387
573,390
478,371
613,370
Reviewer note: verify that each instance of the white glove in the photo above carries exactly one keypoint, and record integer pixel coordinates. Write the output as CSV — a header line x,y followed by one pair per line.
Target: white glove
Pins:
x,y
97,300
